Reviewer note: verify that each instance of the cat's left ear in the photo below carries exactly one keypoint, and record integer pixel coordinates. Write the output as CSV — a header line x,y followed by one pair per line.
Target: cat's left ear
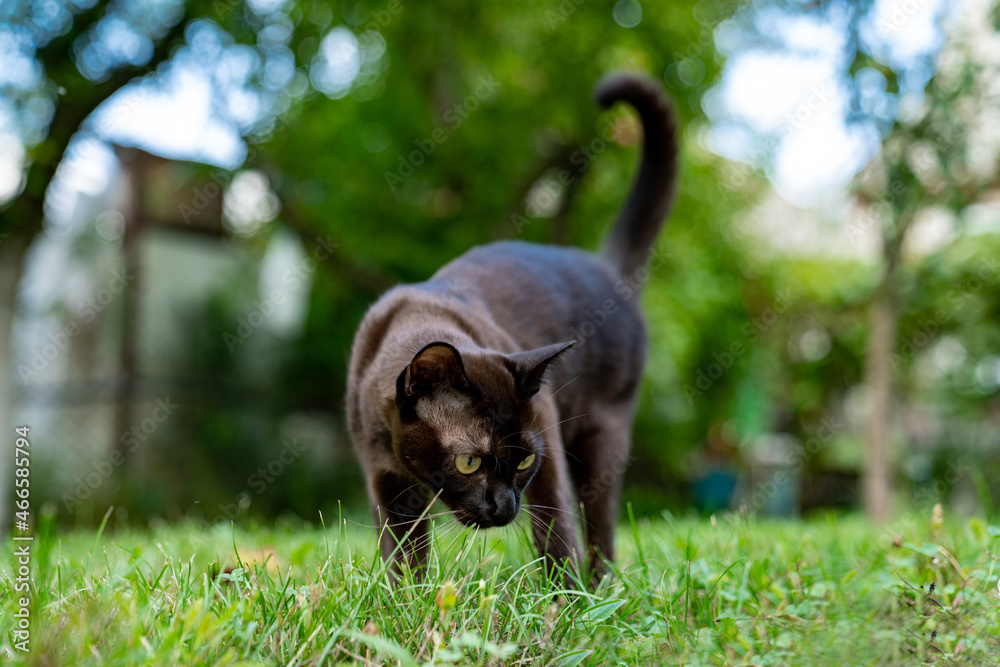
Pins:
x,y
436,365
529,366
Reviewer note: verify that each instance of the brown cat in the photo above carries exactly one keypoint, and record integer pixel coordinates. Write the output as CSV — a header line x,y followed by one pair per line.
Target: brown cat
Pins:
x,y
514,370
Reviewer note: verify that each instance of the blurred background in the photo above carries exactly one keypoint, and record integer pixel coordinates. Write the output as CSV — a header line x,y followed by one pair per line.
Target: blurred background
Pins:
x,y
199,200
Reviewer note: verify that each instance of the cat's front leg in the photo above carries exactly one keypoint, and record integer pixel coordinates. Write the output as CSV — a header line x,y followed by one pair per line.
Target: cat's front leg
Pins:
x,y
398,505
550,500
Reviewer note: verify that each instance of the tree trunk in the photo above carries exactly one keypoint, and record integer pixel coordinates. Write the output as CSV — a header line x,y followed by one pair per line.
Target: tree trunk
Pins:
x,y
128,362
12,251
882,327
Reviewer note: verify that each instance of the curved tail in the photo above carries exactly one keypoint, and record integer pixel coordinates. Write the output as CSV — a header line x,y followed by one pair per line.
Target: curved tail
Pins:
x,y
633,234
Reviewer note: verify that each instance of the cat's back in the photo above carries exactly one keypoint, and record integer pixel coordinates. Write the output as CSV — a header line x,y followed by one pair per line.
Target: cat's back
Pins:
x,y
543,293
534,269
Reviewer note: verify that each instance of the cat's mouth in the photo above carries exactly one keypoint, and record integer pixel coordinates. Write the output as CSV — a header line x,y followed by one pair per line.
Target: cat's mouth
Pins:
x,y
485,521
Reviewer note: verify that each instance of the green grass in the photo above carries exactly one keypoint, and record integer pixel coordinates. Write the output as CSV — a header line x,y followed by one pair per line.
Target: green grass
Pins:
x,y
737,591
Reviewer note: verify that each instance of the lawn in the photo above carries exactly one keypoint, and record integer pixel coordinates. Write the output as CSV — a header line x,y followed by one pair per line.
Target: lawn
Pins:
x,y
727,591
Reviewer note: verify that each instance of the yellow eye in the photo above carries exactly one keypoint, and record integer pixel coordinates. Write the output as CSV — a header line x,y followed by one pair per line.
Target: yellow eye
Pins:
x,y
526,463
467,464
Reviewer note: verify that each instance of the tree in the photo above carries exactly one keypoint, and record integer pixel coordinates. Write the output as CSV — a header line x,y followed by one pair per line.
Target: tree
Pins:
x,y
924,164
446,136
76,88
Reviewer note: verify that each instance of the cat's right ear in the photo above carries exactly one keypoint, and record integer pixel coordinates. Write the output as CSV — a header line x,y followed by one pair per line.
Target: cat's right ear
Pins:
x,y
436,365
530,365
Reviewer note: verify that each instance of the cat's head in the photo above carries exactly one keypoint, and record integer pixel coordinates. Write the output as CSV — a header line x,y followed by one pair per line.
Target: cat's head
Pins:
x,y
467,427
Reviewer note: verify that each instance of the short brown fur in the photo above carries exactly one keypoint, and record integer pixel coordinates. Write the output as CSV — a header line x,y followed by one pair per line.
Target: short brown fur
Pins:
x,y
514,350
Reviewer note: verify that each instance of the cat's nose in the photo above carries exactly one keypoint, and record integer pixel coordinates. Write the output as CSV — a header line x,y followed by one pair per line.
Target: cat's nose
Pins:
x,y
506,505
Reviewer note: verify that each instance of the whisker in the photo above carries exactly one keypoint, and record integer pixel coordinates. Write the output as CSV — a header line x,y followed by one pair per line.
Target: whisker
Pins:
x,y
547,527
585,414
544,530
559,423
422,514
524,527
393,501
552,397
415,519
419,518
503,439
403,491
545,455
424,541
460,534
563,387
547,507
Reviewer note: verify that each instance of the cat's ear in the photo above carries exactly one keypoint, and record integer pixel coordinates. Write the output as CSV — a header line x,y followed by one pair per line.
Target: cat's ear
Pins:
x,y
436,365
529,366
